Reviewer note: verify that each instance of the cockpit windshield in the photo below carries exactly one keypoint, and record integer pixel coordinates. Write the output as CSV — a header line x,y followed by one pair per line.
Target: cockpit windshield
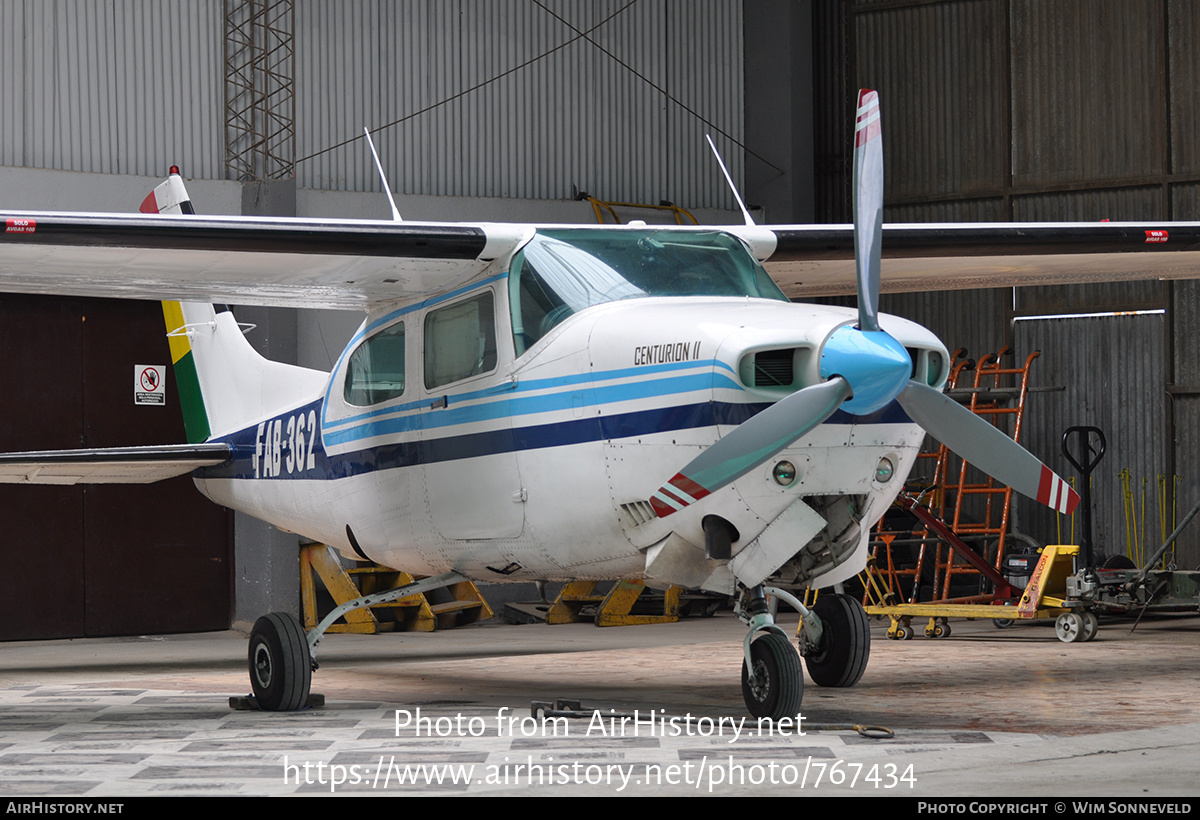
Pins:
x,y
560,272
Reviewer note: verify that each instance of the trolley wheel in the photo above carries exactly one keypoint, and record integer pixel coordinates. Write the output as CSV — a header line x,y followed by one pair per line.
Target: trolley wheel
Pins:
x,y
1002,623
778,686
845,646
904,633
280,665
942,631
1091,624
1069,627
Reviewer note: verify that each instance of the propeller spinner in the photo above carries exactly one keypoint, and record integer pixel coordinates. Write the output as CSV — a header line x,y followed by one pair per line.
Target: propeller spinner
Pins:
x,y
864,369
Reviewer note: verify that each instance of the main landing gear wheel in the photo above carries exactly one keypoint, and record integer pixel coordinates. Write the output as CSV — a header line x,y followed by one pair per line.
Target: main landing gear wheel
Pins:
x,y
778,685
845,646
280,667
1069,627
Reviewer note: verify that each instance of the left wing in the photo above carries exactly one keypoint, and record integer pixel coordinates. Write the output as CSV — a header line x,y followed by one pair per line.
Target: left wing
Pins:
x,y
315,263
111,465
818,260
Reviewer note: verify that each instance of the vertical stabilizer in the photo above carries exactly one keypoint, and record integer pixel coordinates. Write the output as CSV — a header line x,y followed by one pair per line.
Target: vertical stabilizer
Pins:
x,y
170,197
223,382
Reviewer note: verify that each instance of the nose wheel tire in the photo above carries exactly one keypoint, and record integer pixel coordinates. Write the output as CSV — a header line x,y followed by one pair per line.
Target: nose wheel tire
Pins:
x,y
280,667
845,646
778,685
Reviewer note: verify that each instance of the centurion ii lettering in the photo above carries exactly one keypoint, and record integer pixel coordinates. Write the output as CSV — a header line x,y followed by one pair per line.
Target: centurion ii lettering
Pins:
x,y
666,353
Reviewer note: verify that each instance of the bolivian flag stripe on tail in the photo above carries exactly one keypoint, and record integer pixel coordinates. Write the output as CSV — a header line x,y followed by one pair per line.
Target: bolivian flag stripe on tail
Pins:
x,y
195,417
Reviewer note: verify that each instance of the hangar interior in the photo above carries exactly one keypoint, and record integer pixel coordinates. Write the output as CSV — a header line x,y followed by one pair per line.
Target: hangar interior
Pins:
x,y
994,110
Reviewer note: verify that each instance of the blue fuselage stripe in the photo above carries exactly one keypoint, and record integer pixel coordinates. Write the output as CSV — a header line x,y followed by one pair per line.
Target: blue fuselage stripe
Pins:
x,y
249,442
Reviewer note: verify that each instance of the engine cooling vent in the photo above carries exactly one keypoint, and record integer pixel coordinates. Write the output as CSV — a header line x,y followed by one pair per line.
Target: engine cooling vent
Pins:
x,y
637,513
775,368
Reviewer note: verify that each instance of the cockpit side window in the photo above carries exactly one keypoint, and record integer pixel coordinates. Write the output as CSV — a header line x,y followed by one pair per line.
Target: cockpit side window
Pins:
x,y
375,371
536,307
460,340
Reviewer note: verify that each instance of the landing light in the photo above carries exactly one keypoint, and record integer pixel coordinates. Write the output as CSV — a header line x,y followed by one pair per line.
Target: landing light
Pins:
x,y
884,470
784,473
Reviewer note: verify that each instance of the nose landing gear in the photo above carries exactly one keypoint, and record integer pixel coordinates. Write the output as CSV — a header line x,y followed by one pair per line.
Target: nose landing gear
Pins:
x,y
772,683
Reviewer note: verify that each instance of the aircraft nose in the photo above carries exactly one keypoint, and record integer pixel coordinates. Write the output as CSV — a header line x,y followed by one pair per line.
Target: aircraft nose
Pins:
x,y
875,364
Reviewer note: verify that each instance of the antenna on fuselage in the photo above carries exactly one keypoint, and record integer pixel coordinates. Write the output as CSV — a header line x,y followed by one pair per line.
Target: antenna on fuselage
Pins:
x,y
386,188
729,180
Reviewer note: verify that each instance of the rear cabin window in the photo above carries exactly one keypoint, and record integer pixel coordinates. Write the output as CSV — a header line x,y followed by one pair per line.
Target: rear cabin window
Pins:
x,y
460,340
375,372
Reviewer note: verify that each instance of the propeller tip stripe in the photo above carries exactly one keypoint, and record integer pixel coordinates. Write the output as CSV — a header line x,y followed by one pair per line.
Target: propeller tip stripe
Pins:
x,y
676,494
1056,493
867,126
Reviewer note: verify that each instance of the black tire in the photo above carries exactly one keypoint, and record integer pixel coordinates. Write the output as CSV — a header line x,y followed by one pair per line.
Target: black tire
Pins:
x,y
777,670
280,668
845,647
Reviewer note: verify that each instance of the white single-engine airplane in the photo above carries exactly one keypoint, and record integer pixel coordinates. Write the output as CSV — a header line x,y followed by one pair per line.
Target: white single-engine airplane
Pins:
x,y
553,402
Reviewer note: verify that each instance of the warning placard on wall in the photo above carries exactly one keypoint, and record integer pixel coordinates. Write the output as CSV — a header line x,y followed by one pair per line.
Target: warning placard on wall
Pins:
x,y
149,384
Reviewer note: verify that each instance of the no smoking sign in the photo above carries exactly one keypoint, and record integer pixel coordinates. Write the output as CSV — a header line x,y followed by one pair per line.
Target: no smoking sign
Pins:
x,y
149,384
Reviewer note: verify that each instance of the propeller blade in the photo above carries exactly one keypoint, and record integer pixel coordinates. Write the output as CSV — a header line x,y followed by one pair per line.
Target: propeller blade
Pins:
x,y
750,444
980,443
868,207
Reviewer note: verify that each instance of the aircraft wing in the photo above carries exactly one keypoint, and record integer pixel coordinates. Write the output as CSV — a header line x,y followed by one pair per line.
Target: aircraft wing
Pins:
x,y
818,260
113,465
325,263
352,264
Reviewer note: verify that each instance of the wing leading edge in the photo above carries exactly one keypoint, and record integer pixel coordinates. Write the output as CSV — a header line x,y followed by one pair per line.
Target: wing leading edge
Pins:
x,y
113,465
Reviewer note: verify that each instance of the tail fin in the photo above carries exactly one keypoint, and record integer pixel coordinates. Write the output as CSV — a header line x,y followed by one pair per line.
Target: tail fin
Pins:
x,y
170,197
223,382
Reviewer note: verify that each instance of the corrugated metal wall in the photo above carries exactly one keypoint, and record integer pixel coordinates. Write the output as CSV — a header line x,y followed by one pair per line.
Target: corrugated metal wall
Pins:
x,y
504,98
1111,373
1018,109
497,98
114,87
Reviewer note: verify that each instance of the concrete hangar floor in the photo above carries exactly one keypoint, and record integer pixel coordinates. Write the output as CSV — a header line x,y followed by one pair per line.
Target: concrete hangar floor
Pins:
x,y
1011,713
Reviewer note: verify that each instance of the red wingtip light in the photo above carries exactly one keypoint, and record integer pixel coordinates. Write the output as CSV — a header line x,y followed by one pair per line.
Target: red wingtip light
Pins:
x,y
174,170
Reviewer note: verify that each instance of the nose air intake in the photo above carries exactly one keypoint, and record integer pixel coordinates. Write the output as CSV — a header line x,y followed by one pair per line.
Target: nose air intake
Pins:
x,y
865,370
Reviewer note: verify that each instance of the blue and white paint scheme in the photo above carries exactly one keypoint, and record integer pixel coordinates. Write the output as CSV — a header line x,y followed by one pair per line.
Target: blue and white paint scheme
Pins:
x,y
530,452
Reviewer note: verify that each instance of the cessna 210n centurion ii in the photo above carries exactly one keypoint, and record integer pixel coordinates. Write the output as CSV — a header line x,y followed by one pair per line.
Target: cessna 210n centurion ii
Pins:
x,y
540,403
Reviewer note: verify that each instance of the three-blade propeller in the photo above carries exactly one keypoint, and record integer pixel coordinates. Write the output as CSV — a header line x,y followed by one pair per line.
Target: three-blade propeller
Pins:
x,y
865,370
